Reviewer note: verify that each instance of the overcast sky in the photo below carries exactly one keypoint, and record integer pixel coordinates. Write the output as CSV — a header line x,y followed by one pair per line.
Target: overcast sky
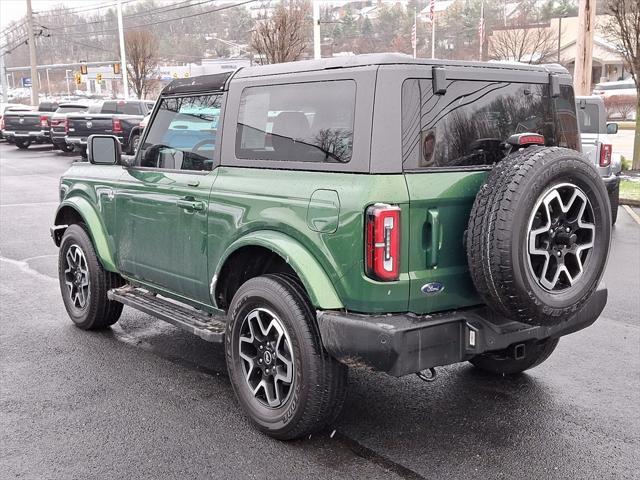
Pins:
x,y
11,10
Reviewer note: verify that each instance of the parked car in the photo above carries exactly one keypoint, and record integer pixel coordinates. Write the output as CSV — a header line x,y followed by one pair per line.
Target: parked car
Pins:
x,y
58,124
619,87
15,107
374,211
597,146
114,117
26,127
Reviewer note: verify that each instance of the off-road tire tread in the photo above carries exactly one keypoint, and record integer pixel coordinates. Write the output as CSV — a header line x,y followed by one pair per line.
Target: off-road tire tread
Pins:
x,y
488,241
102,312
329,375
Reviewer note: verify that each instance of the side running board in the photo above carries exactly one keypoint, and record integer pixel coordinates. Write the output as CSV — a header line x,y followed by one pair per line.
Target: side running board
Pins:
x,y
207,327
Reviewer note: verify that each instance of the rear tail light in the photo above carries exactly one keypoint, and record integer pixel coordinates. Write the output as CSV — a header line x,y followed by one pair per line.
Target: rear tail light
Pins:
x,y
117,126
382,242
605,154
66,125
525,139
1,123
44,121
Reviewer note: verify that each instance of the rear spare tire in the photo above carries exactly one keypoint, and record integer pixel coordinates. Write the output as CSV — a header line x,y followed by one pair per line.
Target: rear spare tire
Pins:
x,y
538,236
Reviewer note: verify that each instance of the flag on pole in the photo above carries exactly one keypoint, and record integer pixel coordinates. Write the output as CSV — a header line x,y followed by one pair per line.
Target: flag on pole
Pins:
x,y
414,39
432,10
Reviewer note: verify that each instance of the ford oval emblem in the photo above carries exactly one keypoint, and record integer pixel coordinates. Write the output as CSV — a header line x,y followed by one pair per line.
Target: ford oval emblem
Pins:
x,y
432,288
89,124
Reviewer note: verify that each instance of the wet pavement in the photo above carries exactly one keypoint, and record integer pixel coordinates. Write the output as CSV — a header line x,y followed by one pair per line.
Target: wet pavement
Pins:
x,y
145,400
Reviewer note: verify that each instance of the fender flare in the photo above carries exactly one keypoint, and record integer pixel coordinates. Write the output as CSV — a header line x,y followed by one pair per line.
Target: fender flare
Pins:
x,y
95,229
315,280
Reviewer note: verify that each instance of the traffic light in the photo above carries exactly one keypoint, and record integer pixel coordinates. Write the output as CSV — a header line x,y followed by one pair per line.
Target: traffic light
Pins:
x,y
83,68
99,77
78,77
116,69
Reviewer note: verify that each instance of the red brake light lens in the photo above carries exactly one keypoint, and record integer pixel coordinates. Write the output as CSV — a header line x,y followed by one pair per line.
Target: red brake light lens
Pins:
x,y
117,126
66,125
382,242
531,140
605,154
44,121
2,123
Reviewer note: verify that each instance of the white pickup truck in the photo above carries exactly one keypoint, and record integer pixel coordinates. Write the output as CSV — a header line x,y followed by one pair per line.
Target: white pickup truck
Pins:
x,y
596,145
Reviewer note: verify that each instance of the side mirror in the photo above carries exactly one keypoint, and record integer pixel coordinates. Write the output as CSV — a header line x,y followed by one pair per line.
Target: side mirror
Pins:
x,y
104,150
612,128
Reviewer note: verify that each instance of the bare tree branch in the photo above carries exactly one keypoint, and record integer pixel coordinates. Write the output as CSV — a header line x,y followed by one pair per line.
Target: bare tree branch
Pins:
x,y
142,59
284,36
524,43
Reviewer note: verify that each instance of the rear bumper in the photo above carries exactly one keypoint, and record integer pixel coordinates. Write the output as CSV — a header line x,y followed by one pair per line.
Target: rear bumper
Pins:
x,y
37,135
400,344
82,141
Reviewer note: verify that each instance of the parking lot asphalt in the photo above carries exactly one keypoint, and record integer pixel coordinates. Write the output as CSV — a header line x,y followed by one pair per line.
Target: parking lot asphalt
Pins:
x,y
145,400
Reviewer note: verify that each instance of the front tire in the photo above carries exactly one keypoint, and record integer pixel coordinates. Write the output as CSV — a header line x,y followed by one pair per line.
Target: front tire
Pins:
x,y
284,380
501,363
23,144
84,283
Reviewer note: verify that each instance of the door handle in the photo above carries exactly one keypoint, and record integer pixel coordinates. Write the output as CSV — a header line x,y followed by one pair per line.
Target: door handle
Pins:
x,y
190,205
433,219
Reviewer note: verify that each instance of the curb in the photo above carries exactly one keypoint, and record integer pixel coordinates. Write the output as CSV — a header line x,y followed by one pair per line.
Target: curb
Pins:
x,y
630,201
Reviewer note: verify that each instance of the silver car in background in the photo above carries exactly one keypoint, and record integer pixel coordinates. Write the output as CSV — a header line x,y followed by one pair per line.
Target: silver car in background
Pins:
x,y
596,145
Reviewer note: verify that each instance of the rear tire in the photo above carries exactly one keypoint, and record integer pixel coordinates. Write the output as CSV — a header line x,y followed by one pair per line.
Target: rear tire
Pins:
x,y
500,363
538,235
84,283
23,144
133,143
315,395
614,200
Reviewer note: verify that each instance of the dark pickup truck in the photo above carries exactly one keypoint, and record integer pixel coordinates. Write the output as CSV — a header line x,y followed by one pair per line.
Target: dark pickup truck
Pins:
x,y
24,128
58,124
112,117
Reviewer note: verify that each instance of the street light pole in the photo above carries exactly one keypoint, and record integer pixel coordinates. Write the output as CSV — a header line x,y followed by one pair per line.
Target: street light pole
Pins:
x,y
32,57
3,72
317,53
66,74
123,57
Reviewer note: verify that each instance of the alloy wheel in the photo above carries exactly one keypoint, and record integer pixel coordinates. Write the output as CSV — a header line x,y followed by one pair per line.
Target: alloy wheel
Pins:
x,y
561,237
267,357
76,277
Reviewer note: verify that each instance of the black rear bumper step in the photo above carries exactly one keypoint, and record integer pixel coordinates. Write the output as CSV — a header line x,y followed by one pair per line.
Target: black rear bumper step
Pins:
x,y
207,327
400,344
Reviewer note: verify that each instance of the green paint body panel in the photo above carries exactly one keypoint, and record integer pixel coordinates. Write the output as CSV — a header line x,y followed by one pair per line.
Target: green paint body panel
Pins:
x,y
142,228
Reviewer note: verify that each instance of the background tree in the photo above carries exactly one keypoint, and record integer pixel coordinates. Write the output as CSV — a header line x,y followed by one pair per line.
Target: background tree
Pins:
x,y
141,48
624,27
524,43
285,35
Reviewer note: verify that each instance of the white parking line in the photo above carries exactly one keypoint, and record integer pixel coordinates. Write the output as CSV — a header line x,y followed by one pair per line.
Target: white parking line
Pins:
x,y
24,266
633,214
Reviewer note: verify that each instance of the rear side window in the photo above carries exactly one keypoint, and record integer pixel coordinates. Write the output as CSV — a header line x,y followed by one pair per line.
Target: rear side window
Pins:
x,y
467,126
304,122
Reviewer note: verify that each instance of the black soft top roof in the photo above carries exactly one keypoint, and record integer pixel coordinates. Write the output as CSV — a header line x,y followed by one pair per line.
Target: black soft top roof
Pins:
x,y
200,84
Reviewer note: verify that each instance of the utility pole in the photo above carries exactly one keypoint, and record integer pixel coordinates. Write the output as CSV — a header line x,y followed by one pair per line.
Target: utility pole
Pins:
x,y
584,47
3,72
123,57
35,97
317,53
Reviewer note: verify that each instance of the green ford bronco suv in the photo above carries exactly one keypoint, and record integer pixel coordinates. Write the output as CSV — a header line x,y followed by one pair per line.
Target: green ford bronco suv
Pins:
x,y
372,211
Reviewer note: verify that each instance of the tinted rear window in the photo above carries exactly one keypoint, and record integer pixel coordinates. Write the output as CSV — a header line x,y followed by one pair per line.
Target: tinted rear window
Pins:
x,y
468,125
72,108
589,118
305,122
47,107
123,108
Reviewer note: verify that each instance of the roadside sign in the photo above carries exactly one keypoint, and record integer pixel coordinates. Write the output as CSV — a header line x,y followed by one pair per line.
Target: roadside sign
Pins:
x,y
78,78
99,77
26,82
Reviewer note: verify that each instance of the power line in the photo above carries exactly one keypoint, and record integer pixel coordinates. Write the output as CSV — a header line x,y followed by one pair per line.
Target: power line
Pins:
x,y
166,9
68,11
111,30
